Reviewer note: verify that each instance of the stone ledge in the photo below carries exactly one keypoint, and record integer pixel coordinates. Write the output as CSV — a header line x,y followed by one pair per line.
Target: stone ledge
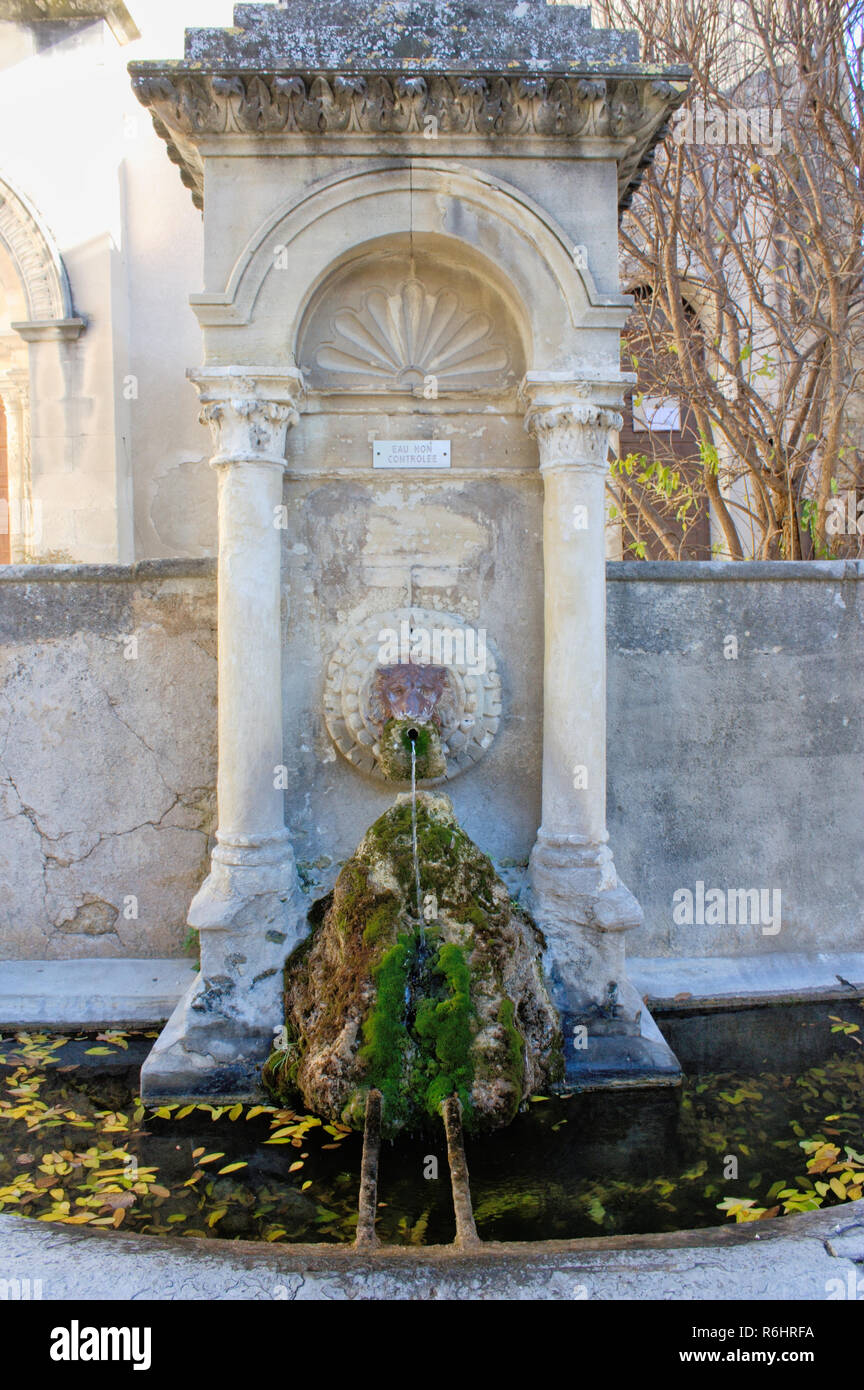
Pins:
x,y
726,982
789,1258
736,571
101,993
193,567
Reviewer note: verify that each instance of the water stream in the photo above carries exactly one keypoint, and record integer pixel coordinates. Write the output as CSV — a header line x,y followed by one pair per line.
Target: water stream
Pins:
x,y
412,734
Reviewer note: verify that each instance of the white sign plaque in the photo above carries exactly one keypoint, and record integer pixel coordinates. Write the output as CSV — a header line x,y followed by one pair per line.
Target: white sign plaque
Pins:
x,y
411,453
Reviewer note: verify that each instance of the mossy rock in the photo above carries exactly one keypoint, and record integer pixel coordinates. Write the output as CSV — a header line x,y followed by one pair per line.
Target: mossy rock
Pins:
x,y
419,1005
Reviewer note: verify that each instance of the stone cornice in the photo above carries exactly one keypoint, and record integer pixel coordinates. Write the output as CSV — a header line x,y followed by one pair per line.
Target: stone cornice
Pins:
x,y
629,109
50,330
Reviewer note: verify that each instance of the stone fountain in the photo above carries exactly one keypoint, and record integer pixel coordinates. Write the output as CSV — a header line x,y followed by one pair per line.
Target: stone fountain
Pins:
x,y
412,376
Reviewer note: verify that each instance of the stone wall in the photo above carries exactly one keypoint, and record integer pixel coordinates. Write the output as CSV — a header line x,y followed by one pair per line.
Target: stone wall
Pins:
x,y
740,772
745,771
107,755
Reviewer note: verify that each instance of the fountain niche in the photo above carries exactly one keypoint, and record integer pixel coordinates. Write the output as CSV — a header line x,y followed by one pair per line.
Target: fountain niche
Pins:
x,y
412,378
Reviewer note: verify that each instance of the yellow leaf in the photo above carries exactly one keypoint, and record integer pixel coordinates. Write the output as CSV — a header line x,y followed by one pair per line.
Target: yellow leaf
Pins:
x,y
235,1112
216,1216
99,1052
838,1189
232,1167
196,1153
119,1216
187,1110
295,1166
210,1158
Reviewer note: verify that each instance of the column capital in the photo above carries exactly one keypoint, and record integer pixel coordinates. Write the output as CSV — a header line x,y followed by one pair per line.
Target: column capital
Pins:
x,y
571,418
15,383
249,411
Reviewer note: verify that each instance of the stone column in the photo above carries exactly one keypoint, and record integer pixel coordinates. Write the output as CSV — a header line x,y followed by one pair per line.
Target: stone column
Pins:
x,y
574,892
24,519
246,912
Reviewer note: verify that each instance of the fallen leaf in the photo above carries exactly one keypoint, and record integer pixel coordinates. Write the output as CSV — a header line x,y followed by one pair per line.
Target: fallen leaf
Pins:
x,y
116,1201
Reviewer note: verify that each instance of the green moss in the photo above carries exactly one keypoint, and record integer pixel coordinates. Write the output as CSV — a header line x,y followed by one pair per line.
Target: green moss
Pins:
x,y
394,751
475,915
380,919
384,1034
514,1045
445,1027
348,899
422,742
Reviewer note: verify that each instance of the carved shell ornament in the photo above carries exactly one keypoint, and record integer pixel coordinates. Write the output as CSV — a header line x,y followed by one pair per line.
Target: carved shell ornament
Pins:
x,y
467,709
403,338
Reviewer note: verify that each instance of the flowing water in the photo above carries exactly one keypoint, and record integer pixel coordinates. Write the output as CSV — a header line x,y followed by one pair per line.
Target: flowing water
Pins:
x,y
414,833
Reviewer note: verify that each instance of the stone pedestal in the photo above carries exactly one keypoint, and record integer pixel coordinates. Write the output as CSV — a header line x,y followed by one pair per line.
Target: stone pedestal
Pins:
x,y
246,912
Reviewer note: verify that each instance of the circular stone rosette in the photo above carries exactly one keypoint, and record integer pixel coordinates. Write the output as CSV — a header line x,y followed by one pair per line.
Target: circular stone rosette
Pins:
x,y
468,711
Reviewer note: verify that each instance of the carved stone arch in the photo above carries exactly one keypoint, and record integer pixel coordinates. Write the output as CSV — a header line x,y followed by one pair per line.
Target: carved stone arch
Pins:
x,y
330,223
39,267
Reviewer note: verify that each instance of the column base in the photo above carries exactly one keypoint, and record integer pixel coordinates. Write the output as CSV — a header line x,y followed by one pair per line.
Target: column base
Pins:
x,y
616,1061
250,919
583,910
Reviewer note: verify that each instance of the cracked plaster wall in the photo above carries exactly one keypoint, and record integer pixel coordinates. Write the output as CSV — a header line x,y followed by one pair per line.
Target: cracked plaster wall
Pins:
x,y
107,759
